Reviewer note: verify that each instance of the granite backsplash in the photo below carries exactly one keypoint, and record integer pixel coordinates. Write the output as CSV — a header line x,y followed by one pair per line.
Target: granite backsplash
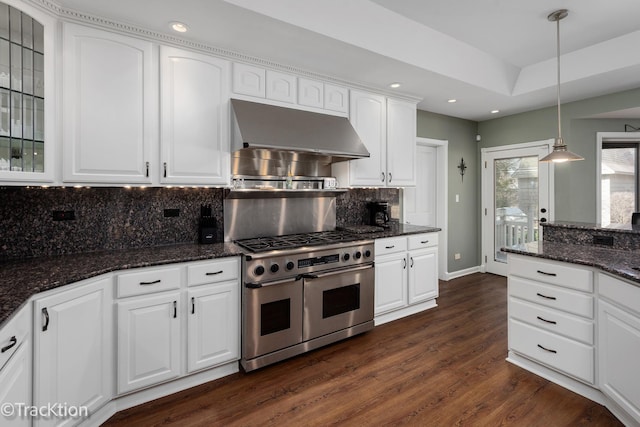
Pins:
x,y
127,218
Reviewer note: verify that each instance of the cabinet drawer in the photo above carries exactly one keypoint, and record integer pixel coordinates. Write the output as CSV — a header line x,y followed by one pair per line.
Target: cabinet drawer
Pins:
x,y
212,271
147,281
623,293
390,245
552,296
552,320
418,241
552,272
561,353
13,334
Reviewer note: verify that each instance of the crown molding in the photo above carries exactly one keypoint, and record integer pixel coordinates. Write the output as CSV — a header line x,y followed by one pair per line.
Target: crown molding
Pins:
x,y
110,25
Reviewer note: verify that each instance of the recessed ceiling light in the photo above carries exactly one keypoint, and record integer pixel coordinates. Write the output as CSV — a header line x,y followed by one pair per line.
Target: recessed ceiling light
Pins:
x,y
495,111
451,101
179,27
395,85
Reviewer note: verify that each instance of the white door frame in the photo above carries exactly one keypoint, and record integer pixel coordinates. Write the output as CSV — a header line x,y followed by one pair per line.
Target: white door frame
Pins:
x,y
600,137
442,153
487,243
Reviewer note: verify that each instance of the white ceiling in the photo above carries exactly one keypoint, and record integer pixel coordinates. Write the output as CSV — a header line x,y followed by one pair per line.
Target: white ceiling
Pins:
x,y
487,54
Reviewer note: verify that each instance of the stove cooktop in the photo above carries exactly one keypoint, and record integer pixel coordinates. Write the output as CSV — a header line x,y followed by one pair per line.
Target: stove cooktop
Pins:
x,y
291,241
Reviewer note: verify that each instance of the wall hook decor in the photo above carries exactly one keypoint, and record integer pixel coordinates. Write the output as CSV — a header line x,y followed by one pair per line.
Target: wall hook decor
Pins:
x,y
462,166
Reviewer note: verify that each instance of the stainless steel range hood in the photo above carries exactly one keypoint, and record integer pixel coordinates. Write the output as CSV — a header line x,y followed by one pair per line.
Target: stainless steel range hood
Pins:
x,y
267,127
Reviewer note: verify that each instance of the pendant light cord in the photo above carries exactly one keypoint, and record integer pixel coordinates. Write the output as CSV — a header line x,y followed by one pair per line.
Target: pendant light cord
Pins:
x,y
558,64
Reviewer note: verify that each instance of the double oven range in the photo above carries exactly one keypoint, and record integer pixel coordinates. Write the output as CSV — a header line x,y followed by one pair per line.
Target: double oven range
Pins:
x,y
303,291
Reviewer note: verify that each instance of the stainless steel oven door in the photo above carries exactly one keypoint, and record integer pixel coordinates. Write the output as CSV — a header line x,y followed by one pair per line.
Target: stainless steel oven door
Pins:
x,y
337,300
272,317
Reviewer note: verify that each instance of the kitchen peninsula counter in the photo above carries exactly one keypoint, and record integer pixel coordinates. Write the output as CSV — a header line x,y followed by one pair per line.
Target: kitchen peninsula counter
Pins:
x,y
22,279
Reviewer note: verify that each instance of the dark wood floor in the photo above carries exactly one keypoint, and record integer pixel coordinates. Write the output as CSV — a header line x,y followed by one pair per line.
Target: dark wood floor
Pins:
x,y
442,367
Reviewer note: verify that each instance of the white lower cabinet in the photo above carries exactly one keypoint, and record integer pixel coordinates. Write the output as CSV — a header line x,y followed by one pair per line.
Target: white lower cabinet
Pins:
x,y
148,340
15,368
213,326
406,271
619,344
73,343
551,316
161,309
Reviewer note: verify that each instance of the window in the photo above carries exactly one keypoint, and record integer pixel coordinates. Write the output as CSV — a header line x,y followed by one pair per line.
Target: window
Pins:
x,y
21,91
619,182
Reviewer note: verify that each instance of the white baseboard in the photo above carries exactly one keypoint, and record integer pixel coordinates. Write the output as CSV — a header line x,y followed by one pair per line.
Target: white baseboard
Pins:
x,y
460,273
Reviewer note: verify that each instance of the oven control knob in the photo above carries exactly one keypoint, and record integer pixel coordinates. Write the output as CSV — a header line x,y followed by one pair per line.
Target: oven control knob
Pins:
x,y
259,271
367,253
274,268
290,265
346,257
357,255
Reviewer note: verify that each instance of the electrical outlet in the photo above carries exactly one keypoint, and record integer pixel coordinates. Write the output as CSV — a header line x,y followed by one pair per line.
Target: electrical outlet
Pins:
x,y
457,256
63,215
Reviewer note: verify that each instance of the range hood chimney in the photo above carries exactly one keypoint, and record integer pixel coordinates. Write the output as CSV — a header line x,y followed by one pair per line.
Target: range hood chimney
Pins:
x,y
267,127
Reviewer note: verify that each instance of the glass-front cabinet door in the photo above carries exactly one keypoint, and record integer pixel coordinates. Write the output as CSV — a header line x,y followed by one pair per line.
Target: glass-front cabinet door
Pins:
x,y
22,97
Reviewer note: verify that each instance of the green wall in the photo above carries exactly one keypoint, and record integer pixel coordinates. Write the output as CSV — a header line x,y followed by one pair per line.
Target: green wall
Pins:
x,y
575,182
464,221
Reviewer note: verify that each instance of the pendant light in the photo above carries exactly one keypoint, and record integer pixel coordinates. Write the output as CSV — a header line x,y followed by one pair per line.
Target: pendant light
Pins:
x,y
560,153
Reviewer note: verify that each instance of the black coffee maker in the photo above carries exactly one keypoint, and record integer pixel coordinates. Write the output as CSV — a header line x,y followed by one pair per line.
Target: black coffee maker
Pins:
x,y
379,213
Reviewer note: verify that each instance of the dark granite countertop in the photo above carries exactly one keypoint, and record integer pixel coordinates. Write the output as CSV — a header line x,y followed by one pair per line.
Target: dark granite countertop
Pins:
x,y
623,228
21,279
618,262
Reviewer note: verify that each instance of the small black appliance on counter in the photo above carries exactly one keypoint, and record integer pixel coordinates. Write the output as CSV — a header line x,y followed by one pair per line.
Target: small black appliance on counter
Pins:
x,y
379,213
207,227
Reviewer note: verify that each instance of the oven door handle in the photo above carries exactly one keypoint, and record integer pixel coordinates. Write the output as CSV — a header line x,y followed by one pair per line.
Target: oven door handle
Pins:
x,y
275,282
340,271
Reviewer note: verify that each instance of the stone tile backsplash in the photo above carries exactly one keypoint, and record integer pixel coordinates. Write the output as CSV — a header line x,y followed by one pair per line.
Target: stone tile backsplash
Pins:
x,y
120,218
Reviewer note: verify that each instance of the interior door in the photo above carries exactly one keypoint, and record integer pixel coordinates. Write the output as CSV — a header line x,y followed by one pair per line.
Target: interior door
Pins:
x,y
420,201
516,200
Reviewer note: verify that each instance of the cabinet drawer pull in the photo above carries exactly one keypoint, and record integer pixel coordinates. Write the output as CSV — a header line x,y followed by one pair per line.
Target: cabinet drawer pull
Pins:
x,y
404,263
12,342
45,312
175,309
553,322
150,283
214,273
546,349
390,176
193,305
411,262
547,274
147,164
390,247
544,296
382,177
424,242
164,165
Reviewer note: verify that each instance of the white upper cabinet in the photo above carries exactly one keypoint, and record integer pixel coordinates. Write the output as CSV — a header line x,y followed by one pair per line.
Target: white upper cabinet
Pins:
x,y
110,115
194,104
336,98
369,118
249,80
310,93
281,87
387,127
401,143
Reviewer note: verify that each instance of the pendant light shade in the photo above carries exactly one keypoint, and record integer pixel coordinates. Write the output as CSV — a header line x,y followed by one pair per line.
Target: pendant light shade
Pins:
x,y
560,152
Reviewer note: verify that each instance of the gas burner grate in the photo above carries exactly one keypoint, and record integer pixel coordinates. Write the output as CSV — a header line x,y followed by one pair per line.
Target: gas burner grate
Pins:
x,y
291,241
